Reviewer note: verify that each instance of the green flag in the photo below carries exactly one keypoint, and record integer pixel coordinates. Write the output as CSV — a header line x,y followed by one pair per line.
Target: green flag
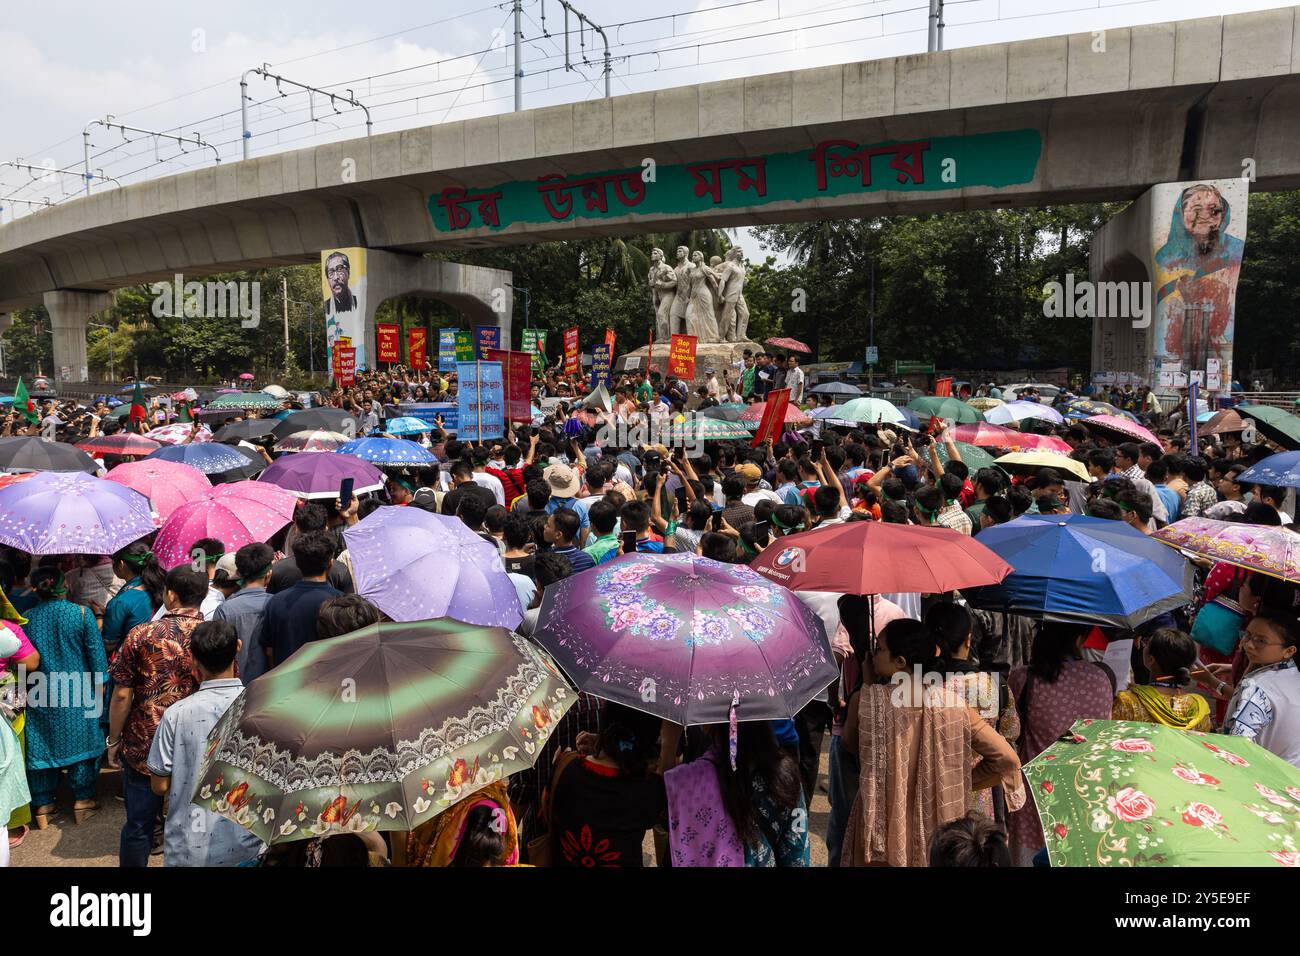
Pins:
x,y
138,409
23,403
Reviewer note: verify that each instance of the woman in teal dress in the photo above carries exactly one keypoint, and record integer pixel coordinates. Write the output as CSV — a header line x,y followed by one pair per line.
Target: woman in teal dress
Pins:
x,y
63,732
137,600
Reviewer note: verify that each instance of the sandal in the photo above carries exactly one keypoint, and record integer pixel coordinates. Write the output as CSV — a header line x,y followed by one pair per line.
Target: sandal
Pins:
x,y
80,813
41,815
17,835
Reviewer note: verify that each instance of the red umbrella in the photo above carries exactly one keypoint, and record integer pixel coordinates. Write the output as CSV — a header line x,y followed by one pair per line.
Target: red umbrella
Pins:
x,y
246,376
984,435
873,557
793,345
123,443
7,480
793,415
1121,426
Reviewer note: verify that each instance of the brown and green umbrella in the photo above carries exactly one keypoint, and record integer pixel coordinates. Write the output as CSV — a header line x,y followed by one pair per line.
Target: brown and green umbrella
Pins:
x,y
1277,425
380,729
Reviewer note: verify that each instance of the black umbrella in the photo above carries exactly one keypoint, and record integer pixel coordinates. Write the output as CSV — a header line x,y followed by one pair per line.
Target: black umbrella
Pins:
x,y
248,429
835,388
722,413
28,453
322,419
256,465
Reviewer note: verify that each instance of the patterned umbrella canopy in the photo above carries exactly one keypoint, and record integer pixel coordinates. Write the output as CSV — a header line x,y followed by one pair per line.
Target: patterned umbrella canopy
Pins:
x,y
430,713
388,451
685,638
1117,425
1077,408
123,443
167,484
701,428
210,458
975,458
950,408
245,400
984,403
312,441
1018,411
406,425
321,474
1255,547
1029,462
177,433
870,411
1278,470
240,513
998,436
414,565
71,513
792,345
1124,793
753,415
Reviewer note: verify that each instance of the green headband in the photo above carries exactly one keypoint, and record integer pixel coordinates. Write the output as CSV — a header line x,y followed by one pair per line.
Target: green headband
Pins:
x,y
138,559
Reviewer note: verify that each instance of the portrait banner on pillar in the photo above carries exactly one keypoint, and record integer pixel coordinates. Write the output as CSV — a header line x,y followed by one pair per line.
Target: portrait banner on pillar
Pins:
x,y
447,350
1198,236
681,357
481,399
602,366
389,342
343,287
773,419
464,346
486,337
572,362
417,347
516,371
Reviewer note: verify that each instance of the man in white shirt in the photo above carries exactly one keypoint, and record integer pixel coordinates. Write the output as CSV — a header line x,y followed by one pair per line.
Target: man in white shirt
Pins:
x,y
794,380
753,479
492,483
204,554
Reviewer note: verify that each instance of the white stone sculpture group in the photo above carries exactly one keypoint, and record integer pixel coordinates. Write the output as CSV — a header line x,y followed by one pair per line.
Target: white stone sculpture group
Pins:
x,y
696,298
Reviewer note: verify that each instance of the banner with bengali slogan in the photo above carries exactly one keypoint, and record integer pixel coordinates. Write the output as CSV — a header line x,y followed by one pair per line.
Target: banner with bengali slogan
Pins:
x,y
481,397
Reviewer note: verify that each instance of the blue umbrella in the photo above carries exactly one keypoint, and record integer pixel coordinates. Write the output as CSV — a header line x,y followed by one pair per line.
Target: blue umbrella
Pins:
x,y
388,451
406,426
1077,568
210,458
1281,471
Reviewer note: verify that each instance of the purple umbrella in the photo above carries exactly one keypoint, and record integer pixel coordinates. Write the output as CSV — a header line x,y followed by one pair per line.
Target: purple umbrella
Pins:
x,y
72,513
414,565
319,475
682,637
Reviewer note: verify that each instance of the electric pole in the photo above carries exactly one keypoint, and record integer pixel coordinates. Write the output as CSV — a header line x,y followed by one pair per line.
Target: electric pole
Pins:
x,y
284,294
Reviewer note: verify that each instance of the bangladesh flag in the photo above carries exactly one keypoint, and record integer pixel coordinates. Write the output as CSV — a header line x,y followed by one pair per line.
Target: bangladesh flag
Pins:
x,y
24,404
138,409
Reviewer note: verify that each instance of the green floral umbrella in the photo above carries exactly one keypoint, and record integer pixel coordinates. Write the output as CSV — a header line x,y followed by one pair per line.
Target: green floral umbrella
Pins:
x,y
380,729
709,429
949,408
974,456
1121,793
246,400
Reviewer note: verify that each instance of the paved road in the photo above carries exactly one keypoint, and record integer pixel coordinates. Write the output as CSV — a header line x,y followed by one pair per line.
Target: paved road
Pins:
x,y
94,843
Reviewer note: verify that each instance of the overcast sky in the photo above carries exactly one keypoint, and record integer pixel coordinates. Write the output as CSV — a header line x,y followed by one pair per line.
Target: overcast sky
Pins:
x,y
176,66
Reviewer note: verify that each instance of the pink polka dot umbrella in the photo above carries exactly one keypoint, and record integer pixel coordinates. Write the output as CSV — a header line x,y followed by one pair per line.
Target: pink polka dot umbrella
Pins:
x,y
167,484
71,513
236,514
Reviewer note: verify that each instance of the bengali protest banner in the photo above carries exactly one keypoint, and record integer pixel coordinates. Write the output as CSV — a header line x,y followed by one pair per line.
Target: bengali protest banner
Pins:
x,y
602,366
446,350
481,396
773,420
430,412
534,343
416,346
390,342
464,346
516,370
572,362
681,357
486,337
346,374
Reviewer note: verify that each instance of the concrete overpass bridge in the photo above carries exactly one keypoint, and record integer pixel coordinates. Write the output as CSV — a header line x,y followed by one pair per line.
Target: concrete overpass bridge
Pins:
x,y
1084,117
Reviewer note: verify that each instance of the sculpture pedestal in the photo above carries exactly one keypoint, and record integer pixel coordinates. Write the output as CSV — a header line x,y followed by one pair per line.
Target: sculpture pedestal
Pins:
x,y
715,355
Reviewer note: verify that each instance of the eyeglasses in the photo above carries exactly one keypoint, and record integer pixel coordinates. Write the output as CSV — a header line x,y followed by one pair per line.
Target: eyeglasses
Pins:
x,y
1249,638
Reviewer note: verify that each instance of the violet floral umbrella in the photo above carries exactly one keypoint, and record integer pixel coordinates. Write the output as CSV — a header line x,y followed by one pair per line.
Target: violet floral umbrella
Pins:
x,y
414,565
685,638
236,514
57,512
319,475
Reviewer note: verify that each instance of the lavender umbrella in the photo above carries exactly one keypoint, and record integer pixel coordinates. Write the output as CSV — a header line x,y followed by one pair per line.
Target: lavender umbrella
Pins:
x,y
414,565
319,475
71,513
682,637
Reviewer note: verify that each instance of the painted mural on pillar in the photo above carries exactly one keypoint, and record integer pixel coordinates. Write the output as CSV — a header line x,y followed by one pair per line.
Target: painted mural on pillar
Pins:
x,y
343,286
1197,264
835,167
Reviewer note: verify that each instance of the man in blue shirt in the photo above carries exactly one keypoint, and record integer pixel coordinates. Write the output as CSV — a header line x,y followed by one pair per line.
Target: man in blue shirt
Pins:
x,y
245,610
562,527
291,614
635,516
565,483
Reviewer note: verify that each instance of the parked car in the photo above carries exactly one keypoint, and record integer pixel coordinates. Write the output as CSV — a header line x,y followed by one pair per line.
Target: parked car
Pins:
x,y
1046,392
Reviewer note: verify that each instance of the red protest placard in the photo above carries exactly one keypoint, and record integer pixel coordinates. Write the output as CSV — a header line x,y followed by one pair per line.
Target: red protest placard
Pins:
x,y
347,369
681,357
516,374
572,363
390,342
773,416
416,343
609,340
943,387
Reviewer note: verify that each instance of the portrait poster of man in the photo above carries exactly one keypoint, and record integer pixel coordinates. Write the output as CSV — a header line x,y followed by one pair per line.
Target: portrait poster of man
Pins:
x,y
1197,264
343,285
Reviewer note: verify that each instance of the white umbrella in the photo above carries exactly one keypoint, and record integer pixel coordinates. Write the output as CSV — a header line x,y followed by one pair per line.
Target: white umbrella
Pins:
x,y
1019,411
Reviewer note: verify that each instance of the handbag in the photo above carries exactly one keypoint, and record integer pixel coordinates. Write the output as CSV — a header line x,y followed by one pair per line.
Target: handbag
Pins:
x,y
1219,622
541,849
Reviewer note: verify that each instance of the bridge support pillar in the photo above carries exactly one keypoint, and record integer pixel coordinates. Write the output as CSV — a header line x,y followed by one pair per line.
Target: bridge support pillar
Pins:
x,y
69,312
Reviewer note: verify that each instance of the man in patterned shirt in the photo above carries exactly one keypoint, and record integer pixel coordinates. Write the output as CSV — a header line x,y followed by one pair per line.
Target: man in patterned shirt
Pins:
x,y
152,671
951,514
1201,496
